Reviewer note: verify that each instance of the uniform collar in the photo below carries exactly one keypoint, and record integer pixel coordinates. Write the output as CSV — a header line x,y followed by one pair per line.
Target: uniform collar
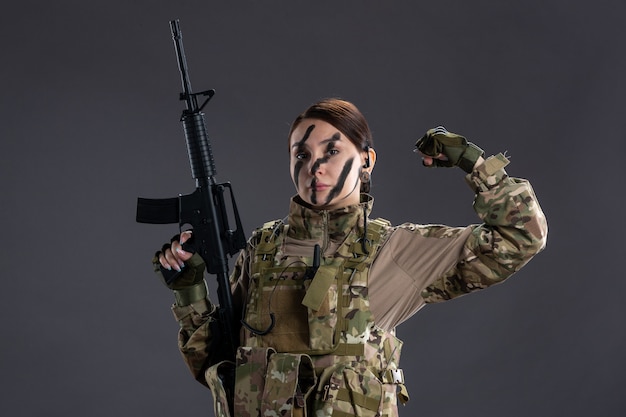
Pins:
x,y
334,225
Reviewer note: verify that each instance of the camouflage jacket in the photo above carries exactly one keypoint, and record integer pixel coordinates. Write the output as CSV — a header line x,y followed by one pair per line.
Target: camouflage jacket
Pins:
x,y
415,265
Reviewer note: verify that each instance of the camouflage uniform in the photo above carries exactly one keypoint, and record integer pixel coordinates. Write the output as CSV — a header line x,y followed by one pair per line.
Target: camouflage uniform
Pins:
x,y
332,350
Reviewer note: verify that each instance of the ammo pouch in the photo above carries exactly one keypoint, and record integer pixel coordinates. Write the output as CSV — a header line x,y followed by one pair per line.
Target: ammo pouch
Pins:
x,y
271,383
354,389
218,390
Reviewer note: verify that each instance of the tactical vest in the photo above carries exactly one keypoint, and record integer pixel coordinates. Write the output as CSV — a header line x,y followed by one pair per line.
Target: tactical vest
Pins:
x,y
309,343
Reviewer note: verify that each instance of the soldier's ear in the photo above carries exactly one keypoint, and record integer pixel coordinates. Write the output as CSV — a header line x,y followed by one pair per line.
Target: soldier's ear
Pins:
x,y
370,157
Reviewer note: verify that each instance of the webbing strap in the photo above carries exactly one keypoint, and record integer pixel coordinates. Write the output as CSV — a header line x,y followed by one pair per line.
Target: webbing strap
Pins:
x,y
396,376
189,295
346,349
375,230
393,376
357,398
265,250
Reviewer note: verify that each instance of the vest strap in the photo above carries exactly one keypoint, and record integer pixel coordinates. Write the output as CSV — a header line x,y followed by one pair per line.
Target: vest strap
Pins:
x,y
356,398
393,376
396,376
337,413
345,349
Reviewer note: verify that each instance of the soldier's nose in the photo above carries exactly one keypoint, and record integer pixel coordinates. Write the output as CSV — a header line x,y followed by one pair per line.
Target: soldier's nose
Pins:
x,y
316,168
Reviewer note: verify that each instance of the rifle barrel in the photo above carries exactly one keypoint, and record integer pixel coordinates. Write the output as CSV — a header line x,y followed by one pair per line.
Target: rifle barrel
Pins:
x,y
177,36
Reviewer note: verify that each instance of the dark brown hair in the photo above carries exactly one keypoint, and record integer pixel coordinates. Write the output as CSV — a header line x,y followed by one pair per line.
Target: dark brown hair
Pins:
x,y
344,116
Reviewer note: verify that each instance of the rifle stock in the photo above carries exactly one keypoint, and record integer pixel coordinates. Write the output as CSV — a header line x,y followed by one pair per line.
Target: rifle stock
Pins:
x,y
205,210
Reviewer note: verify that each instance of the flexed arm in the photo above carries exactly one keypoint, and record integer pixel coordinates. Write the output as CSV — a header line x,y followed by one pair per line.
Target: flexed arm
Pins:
x,y
514,227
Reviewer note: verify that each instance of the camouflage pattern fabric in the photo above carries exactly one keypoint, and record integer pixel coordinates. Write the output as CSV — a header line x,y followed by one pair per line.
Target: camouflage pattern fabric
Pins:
x,y
251,372
492,255
194,336
355,361
288,382
350,353
214,382
272,384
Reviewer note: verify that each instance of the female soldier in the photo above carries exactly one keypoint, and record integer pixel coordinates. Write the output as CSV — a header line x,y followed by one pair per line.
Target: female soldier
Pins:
x,y
321,292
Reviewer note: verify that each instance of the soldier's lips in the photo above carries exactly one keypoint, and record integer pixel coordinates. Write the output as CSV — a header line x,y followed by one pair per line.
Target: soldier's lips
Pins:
x,y
320,187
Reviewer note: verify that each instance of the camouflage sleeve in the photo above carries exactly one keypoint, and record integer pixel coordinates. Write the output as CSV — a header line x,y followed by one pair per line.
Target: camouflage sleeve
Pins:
x,y
514,230
194,336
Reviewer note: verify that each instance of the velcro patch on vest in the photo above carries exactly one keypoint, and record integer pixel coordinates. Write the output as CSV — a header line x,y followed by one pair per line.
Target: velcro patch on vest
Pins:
x,y
318,290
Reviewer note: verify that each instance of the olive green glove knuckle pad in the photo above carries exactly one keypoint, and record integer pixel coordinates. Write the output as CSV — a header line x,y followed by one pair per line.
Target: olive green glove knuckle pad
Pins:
x,y
191,274
455,147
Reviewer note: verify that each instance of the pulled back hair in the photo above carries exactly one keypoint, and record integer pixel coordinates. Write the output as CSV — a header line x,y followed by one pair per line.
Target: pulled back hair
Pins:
x,y
344,116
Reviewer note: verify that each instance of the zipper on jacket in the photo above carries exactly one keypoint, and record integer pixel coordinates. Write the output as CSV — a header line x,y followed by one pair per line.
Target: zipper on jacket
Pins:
x,y
326,237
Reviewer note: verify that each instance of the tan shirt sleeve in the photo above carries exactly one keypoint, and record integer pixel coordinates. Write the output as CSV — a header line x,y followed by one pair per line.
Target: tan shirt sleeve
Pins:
x,y
431,263
412,258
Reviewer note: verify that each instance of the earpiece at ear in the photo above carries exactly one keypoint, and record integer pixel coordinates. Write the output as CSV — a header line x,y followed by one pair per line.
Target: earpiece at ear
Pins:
x,y
367,161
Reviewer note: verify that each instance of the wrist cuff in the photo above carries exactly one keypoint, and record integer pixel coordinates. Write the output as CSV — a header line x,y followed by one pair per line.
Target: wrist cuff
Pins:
x,y
469,157
189,295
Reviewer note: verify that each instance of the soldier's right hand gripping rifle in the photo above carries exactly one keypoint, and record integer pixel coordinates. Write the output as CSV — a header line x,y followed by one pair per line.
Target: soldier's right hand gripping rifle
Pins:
x,y
205,210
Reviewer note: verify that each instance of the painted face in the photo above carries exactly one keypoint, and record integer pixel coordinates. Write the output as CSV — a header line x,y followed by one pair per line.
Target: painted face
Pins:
x,y
325,165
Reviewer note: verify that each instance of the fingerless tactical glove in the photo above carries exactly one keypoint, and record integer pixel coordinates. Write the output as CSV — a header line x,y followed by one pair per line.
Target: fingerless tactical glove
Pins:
x,y
189,284
455,147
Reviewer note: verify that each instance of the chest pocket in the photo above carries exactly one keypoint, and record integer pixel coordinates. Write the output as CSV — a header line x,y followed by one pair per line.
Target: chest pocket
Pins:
x,y
280,301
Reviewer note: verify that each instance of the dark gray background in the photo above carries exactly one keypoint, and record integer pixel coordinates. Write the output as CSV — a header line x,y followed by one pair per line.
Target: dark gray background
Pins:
x,y
90,121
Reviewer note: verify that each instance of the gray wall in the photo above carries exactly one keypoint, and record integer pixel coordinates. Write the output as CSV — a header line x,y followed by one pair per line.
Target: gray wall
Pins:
x,y
90,120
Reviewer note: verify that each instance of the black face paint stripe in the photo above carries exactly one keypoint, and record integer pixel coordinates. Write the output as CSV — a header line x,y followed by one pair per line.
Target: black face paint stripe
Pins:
x,y
296,172
341,181
334,138
330,146
317,164
313,192
298,145
305,137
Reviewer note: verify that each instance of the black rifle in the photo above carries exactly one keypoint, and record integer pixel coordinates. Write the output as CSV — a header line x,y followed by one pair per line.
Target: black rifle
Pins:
x,y
204,210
